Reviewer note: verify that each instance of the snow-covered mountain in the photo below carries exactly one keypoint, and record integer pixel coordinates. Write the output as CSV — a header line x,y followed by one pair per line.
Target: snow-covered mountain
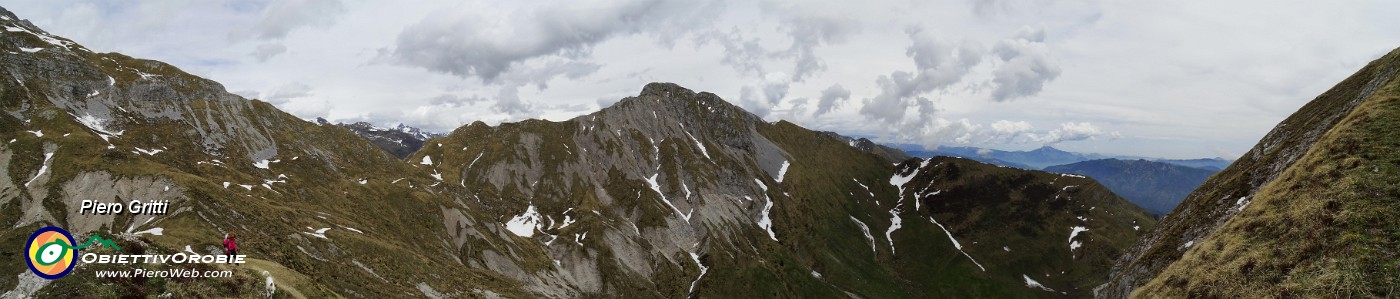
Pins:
x,y
400,140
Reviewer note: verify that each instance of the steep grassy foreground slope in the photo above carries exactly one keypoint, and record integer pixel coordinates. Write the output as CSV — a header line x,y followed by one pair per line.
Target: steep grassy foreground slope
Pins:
x,y
1311,211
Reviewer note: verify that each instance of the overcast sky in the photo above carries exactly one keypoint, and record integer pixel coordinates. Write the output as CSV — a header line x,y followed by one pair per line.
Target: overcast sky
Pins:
x,y
1149,78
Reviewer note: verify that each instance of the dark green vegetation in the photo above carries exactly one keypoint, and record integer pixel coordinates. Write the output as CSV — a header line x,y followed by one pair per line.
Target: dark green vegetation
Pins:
x,y
1311,211
1028,231
1155,186
668,194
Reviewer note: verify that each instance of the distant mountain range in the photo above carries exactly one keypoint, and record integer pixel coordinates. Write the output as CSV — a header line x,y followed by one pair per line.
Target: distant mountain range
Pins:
x,y
400,141
1155,186
1047,156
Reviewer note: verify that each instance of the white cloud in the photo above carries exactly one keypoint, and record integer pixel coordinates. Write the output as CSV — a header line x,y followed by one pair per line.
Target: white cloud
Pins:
x,y
282,17
267,51
1026,65
1179,80
831,98
1004,131
288,92
451,100
486,40
938,63
1072,131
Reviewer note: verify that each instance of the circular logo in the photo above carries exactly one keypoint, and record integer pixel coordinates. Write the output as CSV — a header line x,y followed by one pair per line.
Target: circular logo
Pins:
x,y
50,252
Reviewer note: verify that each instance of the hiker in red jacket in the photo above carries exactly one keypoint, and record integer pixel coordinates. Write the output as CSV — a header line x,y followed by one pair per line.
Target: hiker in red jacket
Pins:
x,y
230,247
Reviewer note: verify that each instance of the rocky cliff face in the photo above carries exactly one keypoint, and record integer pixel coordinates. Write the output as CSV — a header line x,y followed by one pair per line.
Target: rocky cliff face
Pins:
x,y
1280,154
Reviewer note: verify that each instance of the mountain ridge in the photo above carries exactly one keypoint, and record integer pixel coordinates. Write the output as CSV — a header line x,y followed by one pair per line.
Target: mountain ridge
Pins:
x,y
1046,156
1322,144
1155,186
670,193
400,140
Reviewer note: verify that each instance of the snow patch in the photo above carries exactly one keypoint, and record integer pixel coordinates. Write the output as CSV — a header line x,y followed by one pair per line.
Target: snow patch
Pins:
x,y
865,229
524,224
703,150
30,50
959,245
427,160
895,224
867,188
148,152
783,171
657,187
154,231
568,219
766,221
469,166
1241,203
48,157
45,37
1074,232
320,233
1031,283
899,180
703,269
265,163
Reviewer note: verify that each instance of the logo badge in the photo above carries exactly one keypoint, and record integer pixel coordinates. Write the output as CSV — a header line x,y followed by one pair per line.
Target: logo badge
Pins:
x,y
50,252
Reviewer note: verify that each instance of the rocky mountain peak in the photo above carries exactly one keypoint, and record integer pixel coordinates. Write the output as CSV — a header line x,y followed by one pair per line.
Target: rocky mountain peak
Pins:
x,y
681,104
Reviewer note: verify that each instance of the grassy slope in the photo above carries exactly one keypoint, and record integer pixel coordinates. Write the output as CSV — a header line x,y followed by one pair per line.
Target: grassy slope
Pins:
x,y
1326,228
320,190
978,205
1211,204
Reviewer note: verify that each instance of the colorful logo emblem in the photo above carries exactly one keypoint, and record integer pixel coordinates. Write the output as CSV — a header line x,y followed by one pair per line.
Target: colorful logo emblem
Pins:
x,y
50,252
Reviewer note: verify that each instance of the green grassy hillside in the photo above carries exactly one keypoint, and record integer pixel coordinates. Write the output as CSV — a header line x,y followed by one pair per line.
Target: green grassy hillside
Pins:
x,y
1329,226
1307,212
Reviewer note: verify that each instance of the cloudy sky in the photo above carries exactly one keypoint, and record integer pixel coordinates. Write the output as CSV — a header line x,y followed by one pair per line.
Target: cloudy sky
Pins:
x,y
1147,78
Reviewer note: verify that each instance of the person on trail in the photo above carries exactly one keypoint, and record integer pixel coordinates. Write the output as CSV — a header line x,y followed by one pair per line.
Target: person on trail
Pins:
x,y
230,246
